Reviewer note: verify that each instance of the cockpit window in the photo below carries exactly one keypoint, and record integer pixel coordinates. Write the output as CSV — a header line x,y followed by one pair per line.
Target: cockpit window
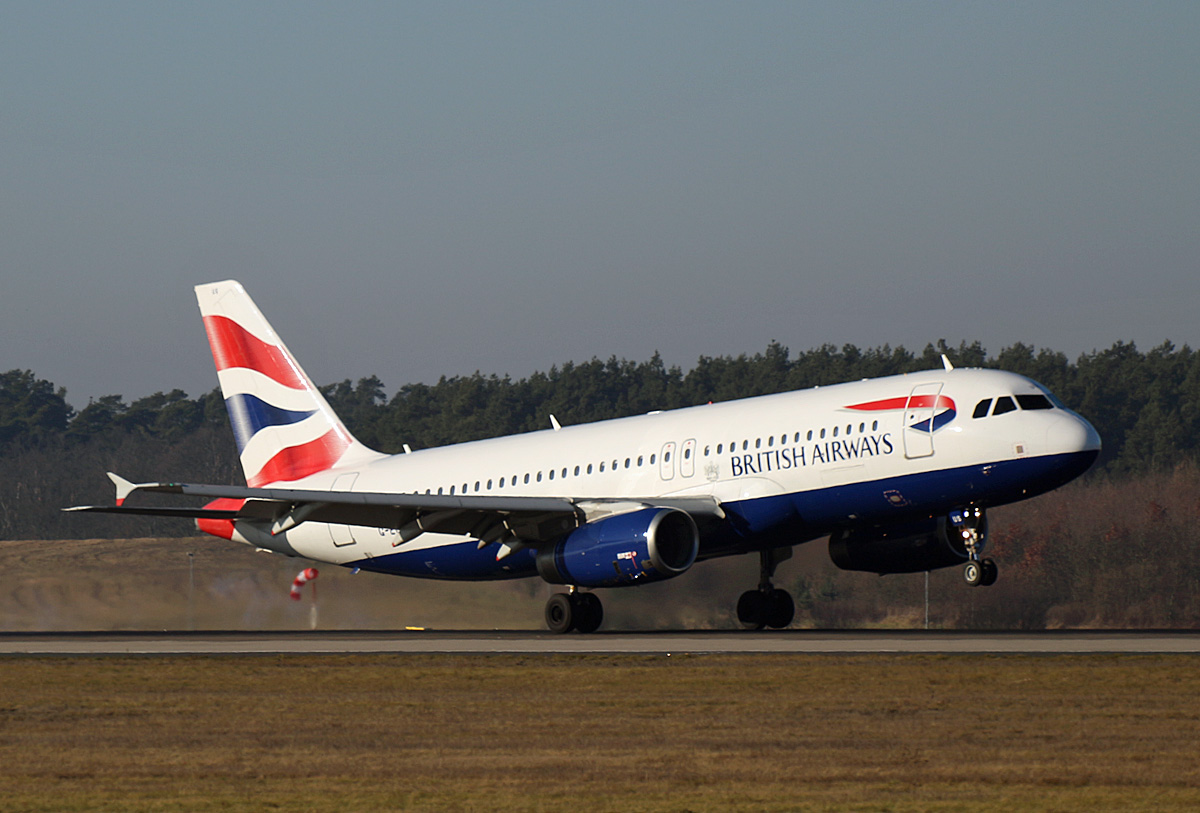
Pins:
x,y
1034,402
1004,404
981,409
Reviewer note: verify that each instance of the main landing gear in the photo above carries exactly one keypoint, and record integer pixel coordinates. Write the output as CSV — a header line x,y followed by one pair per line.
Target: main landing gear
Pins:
x,y
768,606
582,612
971,524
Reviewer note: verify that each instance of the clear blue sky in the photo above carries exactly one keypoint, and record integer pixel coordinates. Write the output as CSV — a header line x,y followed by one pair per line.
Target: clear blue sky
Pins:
x,y
423,189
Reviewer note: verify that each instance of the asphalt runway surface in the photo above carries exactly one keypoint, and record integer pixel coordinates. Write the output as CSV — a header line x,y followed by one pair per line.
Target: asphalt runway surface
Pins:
x,y
628,643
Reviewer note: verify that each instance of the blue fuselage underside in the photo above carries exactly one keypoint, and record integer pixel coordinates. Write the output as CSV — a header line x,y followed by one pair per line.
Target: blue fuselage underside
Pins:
x,y
787,519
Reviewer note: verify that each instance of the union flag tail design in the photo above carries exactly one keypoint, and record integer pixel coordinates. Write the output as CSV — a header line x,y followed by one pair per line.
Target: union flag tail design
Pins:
x,y
284,428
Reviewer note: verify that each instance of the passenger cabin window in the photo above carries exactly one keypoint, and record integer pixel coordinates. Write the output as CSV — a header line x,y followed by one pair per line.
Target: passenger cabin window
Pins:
x,y
1034,402
981,409
1003,404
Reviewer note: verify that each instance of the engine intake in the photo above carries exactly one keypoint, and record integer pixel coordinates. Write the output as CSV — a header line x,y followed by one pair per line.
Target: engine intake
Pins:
x,y
649,545
909,547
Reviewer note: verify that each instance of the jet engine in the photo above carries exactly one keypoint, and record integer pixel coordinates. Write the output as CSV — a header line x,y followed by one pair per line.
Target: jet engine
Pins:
x,y
649,545
909,547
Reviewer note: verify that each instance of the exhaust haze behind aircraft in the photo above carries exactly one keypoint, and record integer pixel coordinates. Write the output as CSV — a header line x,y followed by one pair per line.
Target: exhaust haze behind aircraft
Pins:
x,y
897,471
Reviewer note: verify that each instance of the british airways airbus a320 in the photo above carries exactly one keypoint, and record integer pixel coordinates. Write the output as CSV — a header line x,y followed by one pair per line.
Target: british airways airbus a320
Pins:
x,y
897,471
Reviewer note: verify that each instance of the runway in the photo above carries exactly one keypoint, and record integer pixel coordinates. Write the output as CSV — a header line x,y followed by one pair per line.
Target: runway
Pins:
x,y
625,643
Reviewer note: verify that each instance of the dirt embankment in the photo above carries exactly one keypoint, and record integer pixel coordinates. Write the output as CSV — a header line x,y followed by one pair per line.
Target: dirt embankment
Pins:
x,y
205,583
202,583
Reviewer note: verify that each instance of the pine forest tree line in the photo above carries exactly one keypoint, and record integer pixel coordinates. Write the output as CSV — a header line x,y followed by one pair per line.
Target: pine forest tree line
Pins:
x,y
1146,406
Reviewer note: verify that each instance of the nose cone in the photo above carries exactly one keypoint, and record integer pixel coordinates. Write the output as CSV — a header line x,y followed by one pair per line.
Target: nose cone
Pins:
x,y
1071,434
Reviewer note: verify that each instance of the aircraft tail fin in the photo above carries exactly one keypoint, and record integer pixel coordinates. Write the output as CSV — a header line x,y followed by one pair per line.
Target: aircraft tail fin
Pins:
x,y
285,430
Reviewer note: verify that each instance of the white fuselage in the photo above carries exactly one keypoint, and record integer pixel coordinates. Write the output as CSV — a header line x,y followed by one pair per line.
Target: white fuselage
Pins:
x,y
798,464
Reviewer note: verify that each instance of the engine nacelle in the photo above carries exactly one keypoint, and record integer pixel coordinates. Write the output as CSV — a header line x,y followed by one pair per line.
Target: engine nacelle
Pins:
x,y
642,546
909,547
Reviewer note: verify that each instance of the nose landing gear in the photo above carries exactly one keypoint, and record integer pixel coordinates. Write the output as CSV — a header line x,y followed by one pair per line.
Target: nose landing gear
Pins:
x,y
971,525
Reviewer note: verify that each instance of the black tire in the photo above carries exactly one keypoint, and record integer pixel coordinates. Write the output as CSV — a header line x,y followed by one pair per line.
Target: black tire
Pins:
x,y
973,573
780,609
990,573
752,609
589,612
560,614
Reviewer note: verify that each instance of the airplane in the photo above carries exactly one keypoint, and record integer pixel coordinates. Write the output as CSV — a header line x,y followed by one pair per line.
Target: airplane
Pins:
x,y
897,471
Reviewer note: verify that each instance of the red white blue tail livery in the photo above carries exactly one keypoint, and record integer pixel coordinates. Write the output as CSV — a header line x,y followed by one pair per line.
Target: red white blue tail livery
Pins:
x,y
285,431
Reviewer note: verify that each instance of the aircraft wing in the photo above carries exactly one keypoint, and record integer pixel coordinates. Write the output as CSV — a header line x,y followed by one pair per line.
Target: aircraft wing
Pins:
x,y
525,520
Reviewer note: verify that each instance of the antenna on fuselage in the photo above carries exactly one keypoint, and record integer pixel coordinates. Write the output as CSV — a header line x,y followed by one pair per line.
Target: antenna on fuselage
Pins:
x,y
946,363
554,422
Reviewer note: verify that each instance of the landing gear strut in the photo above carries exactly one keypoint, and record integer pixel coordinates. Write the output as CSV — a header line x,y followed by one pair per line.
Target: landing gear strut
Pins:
x,y
768,606
971,524
582,612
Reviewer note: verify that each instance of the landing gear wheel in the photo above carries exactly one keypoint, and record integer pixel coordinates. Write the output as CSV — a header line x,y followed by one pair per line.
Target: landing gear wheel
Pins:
x,y
973,573
589,612
990,572
560,613
752,609
780,609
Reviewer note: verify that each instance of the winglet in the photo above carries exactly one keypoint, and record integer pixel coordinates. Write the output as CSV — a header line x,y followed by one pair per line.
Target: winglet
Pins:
x,y
946,363
124,487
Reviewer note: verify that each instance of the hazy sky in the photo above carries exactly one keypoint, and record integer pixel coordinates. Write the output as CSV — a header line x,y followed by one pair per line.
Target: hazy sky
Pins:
x,y
423,189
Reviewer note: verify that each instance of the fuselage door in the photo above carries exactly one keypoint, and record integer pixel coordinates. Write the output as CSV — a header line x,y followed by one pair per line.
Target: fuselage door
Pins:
x,y
342,535
919,412
687,461
666,461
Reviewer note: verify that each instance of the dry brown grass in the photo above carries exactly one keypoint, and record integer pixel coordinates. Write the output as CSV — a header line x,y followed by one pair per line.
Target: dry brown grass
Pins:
x,y
895,733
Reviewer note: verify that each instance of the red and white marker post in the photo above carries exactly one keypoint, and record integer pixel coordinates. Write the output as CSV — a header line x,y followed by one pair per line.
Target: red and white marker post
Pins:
x,y
302,578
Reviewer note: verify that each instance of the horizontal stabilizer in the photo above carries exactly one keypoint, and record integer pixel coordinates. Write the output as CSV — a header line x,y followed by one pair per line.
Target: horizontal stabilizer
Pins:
x,y
179,512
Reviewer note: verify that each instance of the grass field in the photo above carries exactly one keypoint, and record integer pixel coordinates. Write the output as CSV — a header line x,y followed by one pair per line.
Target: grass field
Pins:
x,y
861,733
